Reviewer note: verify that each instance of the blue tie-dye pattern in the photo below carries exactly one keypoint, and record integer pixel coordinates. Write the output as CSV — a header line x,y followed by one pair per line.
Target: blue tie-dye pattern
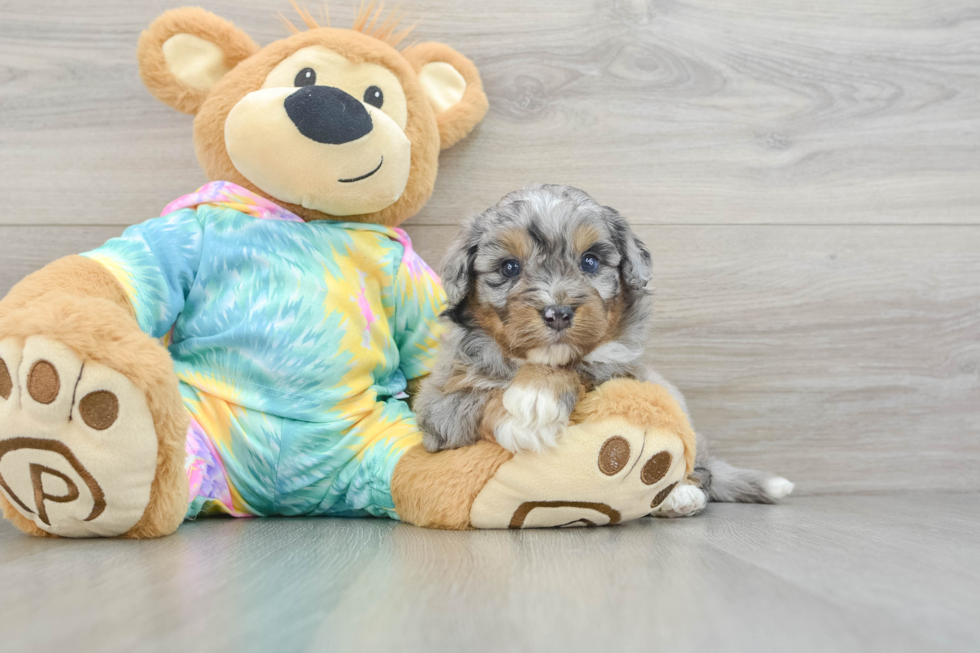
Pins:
x,y
263,340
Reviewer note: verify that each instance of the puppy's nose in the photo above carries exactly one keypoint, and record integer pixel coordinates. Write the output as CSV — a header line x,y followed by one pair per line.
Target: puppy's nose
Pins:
x,y
558,317
328,115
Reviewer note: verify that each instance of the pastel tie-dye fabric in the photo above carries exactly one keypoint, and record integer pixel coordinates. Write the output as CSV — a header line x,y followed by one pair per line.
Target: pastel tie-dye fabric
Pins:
x,y
293,342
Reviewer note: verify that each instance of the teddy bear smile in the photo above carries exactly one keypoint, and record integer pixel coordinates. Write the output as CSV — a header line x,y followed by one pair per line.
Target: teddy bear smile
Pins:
x,y
352,180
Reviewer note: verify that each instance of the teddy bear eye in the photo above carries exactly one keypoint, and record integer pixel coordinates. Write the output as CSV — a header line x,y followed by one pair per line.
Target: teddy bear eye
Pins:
x,y
374,96
510,268
305,77
589,264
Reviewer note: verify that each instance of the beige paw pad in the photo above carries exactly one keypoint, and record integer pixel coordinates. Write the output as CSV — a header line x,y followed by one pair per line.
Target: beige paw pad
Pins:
x,y
599,473
77,443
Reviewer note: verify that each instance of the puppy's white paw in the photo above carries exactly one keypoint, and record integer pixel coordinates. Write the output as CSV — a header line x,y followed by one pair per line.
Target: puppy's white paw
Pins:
x,y
778,487
536,419
533,407
516,436
684,501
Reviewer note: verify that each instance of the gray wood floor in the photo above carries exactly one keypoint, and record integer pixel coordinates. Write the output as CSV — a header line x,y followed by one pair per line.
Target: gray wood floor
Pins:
x,y
833,574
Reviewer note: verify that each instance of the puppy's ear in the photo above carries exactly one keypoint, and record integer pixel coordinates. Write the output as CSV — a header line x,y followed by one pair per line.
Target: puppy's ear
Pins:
x,y
636,264
184,52
452,85
457,267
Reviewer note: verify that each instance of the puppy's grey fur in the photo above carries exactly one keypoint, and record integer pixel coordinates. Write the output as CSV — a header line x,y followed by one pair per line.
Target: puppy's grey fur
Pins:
x,y
550,274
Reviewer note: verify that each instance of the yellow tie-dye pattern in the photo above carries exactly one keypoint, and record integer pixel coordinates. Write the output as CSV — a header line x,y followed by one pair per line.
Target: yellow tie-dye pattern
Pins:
x,y
219,388
363,262
430,346
122,274
376,428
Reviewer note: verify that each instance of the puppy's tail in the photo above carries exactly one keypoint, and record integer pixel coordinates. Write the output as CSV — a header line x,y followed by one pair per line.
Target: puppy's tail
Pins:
x,y
723,482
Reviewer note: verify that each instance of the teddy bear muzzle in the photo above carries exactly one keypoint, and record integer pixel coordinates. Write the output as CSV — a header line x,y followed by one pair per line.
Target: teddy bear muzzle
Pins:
x,y
319,147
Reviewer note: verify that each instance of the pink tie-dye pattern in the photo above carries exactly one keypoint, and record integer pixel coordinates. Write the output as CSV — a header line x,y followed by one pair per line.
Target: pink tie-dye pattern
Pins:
x,y
364,304
416,266
206,475
234,197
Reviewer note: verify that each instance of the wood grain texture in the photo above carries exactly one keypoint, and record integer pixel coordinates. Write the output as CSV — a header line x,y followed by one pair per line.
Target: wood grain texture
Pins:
x,y
688,112
892,574
845,358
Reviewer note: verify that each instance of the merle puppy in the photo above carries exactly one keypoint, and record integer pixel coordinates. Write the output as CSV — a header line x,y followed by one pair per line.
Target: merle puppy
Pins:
x,y
547,298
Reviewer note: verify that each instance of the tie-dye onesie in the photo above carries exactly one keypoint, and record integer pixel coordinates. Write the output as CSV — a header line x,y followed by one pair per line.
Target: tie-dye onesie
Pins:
x,y
293,342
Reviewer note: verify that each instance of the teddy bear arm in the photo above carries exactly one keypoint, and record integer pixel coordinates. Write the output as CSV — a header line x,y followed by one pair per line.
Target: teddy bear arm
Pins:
x,y
437,490
75,276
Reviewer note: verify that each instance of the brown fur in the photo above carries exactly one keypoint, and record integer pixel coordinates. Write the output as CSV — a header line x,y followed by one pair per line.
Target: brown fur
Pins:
x,y
71,275
593,320
412,388
235,43
456,123
596,321
555,380
640,403
438,490
76,301
585,236
518,242
493,414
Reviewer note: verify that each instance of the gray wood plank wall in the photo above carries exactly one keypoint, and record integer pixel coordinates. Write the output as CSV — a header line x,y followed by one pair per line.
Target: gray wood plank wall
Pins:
x,y
806,174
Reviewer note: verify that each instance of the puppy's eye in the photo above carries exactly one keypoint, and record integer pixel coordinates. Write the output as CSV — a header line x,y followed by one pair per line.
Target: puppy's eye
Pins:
x,y
305,77
510,268
374,96
589,264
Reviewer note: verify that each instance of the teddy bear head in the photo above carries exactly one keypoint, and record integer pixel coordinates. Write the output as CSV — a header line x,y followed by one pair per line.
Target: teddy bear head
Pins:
x,y
332,124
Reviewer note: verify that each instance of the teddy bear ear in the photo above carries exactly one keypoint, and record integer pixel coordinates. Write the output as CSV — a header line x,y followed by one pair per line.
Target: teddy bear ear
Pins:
x,y
185,51
452,85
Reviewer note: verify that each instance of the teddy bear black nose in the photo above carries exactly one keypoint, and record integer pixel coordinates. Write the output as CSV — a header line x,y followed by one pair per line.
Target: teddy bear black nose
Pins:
x,y
328,115
558,317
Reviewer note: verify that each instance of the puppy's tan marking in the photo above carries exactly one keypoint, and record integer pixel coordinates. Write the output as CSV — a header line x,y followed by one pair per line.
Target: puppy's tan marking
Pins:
x,y
494,414
589,326
584,237
554,380
518,243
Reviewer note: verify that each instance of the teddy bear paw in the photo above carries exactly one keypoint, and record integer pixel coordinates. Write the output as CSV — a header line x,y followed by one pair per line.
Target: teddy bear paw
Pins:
x,y
599,473
78,448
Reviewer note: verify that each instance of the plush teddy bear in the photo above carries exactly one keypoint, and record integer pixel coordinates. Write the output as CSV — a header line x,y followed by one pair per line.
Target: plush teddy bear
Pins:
x,y
249,351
